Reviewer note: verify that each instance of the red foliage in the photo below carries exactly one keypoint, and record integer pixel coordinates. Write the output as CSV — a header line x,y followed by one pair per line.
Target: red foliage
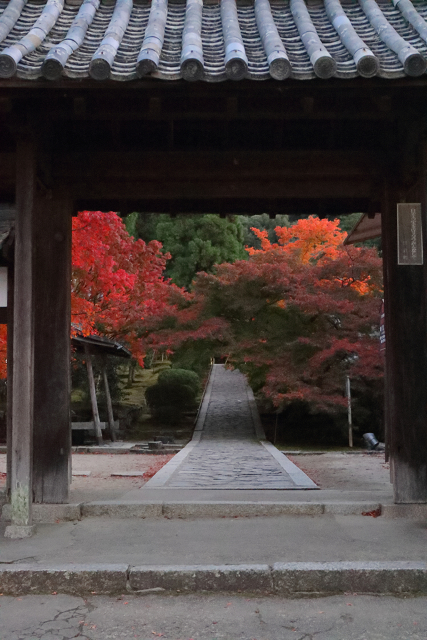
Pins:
x,y
297,316
117,281
3,351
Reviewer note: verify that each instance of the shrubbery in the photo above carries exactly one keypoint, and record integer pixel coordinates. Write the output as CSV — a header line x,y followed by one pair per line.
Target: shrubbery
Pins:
x,y
175,392
180,377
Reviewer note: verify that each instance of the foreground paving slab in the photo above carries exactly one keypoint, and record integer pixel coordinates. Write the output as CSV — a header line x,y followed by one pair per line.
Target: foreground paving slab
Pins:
x,y
213,617
221,541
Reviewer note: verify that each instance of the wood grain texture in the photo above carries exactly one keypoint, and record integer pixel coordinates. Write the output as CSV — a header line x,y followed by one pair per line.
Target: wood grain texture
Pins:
x,y
21,493
52,276
406,360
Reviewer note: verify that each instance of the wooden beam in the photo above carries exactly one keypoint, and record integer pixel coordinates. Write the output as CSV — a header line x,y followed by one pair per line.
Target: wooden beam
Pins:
x,y
406,360
177,166
21,492
52,277
267,189
207,175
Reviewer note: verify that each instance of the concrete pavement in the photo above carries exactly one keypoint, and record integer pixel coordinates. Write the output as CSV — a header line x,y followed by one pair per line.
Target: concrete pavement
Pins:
x,y
236,537
291,555
212,617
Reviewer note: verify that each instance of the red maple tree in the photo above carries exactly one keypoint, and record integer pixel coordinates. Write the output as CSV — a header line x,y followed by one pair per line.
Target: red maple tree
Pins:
x,y
117,283
297,316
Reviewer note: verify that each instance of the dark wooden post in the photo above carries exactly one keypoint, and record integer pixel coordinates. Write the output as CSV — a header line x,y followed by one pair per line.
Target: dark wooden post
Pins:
x,y
406,355
52,286
21,492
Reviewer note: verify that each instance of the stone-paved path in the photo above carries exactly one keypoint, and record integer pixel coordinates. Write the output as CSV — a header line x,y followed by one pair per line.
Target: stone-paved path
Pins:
x,y
228,454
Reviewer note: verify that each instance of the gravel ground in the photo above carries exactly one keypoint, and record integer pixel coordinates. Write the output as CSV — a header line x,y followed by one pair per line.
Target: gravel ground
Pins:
x,y
362,472
100,485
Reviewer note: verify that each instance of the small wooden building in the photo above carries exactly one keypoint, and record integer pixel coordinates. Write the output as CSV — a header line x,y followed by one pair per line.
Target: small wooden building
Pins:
x,y
136,106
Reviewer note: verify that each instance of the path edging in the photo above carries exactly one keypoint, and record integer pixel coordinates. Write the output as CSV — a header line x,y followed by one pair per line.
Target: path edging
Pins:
x,y
290,579
165,473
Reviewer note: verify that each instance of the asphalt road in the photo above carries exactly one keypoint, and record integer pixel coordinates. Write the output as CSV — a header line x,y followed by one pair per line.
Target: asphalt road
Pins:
x,y
212,617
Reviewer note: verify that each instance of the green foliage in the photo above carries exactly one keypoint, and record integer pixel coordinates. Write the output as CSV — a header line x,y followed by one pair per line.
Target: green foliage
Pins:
x,y
182,377
262,221
170,397
130,223
196,355
198,242
80,383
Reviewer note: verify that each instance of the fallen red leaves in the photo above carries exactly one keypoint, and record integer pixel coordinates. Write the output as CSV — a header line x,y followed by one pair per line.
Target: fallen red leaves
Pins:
x,y
375,513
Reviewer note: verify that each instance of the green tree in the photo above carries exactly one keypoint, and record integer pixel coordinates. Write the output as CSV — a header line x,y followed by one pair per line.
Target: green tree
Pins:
x,y
198,242
262,222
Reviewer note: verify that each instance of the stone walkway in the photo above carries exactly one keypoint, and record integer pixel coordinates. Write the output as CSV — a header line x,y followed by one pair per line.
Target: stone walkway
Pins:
x,y
228,449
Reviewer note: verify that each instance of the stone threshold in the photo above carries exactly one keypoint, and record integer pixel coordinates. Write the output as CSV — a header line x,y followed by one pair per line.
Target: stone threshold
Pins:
x,y
54,513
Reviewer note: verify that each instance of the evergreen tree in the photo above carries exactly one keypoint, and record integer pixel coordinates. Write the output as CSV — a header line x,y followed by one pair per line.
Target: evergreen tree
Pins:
x,y
198,242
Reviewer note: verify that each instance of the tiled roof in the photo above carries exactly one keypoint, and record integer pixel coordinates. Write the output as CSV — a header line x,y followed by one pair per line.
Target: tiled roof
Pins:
x,y
212,40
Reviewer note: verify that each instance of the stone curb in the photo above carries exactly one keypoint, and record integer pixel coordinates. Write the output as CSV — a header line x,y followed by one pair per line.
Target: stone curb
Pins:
x,y
74,579
291,579
53,513
354,577
410,511
120,509
255,578
49,513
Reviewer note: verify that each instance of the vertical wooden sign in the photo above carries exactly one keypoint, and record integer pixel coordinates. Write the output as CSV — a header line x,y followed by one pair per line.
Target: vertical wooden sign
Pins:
x,y
409,234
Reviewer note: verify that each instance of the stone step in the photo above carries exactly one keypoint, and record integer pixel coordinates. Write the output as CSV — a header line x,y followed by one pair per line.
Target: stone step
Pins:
x,y
289,579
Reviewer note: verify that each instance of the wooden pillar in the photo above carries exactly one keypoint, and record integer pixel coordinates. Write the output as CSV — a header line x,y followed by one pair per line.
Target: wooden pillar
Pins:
x,y
21,493
406,356
52,286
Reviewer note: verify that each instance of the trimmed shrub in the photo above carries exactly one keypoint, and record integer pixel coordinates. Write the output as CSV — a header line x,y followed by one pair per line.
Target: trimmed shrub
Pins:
x,y
182,377
171,396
